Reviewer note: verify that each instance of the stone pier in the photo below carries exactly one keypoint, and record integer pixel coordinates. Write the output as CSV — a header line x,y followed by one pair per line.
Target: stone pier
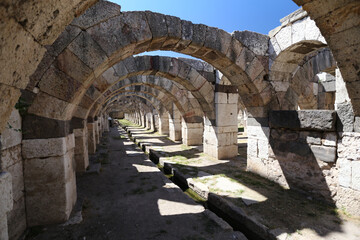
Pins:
x,y
91,137
175,126
220,136
49,176
164,124
192,133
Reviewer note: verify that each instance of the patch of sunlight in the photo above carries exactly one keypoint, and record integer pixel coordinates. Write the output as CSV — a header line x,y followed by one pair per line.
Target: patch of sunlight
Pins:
x,y
154,140
170,185
143,168
131,153
221,184
170,208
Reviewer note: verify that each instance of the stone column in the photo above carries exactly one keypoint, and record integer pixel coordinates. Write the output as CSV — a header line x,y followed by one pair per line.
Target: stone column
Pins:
x,y
148,120
91,138
12,162
164,124
81,144
142,119
106,123
192,133
258,145
97,132
6,200
50,183
220,136
175,126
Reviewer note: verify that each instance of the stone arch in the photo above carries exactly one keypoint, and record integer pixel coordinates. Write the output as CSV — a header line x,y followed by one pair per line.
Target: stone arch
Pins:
x,y
197,84
303,81
90,50
157,99
339,23
190,110
289,45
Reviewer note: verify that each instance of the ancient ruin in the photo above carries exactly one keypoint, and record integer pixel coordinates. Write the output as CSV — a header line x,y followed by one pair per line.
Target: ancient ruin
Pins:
x,y
67,66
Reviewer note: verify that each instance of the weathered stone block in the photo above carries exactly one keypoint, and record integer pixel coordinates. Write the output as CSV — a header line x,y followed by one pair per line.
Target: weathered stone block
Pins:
x,y
100,12
17,219
355,175
252,147
344,172
37,148
345,114
10,96
10,157
322,153
3,227
16,172
349,199
323,120
349,146
256,42
257,165
45,104
86,49
226,114
6,193
11,135
357,124
50,188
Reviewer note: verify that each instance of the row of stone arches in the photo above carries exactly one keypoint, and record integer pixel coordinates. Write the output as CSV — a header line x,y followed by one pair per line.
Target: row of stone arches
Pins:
x,y
68,82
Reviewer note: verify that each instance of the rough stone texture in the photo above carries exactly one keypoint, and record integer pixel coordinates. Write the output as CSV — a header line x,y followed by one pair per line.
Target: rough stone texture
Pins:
x,y
322,120
38,148
10,96
81,149
6,195
50,185
322,153
11,135
17,219
256,42
345,116
91,138
349,199
357,124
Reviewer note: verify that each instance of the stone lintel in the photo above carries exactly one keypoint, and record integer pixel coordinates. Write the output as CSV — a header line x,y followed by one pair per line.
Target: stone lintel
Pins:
x,y
36,127
318,120
226,88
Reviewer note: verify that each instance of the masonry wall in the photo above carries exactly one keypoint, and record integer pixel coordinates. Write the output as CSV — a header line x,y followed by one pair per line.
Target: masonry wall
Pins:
x,y
306,152
304,149
12,162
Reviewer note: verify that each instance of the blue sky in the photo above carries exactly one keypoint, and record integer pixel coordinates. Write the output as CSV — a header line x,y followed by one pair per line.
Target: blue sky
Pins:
x,y
230,15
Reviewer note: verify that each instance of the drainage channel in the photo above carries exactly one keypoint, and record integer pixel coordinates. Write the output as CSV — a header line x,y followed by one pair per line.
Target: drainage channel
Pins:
x,y
235,218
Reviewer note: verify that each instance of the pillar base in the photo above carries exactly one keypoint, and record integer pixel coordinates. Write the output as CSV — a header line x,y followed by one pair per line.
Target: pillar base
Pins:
x,y
49,176
221,142
192,134
81,149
